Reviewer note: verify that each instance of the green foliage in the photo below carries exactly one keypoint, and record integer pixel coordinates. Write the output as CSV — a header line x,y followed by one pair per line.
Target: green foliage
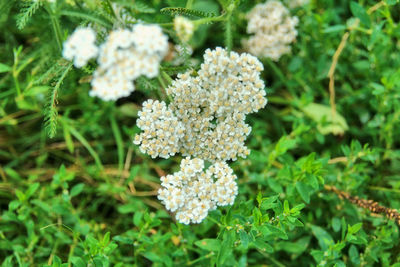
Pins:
x,y
28,8
87,196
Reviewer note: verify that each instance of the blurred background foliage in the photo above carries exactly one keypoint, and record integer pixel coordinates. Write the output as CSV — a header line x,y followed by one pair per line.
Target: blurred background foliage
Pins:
x,y
87,196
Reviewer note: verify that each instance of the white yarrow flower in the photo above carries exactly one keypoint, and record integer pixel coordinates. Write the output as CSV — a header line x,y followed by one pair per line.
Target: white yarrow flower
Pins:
x,y
126,55
209,109
192,192
273,30
80,47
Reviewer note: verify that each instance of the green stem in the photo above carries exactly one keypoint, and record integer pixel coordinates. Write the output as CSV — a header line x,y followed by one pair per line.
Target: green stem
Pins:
x,y
56,26
163,87
189,4
208,20
201,258
228,33
390,190
15,73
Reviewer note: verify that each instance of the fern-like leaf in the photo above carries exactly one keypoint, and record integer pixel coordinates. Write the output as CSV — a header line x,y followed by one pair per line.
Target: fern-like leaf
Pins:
x,y
137,6
176,69
53,71
27,11
142,8
87,15
51,112
147,84
173,11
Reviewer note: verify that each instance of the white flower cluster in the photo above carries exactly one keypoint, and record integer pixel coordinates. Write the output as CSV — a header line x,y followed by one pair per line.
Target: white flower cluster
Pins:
x,y
125,55
208,110
184,28
273,30
192,192
81,47
161,130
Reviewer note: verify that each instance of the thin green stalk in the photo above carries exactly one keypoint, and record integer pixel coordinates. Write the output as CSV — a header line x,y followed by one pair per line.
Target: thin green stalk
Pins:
x,y
86,144
163,86
201,258
209,20
15,72
228,33
189,4
277,71
56,26
390,190
118,140
166,77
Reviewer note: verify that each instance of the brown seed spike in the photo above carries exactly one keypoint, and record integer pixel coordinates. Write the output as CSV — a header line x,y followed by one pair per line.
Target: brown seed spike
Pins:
x,y
369,204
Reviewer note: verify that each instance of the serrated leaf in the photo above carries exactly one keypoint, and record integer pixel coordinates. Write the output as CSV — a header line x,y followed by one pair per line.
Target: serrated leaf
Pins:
x,y
173,11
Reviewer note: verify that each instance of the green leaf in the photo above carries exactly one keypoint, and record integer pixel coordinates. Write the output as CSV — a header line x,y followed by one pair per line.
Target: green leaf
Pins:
x,y
297,247
244,238
391,2
286,207
106,238
137,218
28,9
323,237
327,122
87,16
354,255
276,231
263,246
355,228
4,68
360,13
226,247
77,262
274,185
32,189
209,244
336,224
13,205
304,191
77,189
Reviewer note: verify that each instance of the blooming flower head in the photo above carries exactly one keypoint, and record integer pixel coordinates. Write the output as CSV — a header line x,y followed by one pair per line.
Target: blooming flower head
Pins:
x,y
161,130
273,30
184,28
210,108
192,192
126,55
80,47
